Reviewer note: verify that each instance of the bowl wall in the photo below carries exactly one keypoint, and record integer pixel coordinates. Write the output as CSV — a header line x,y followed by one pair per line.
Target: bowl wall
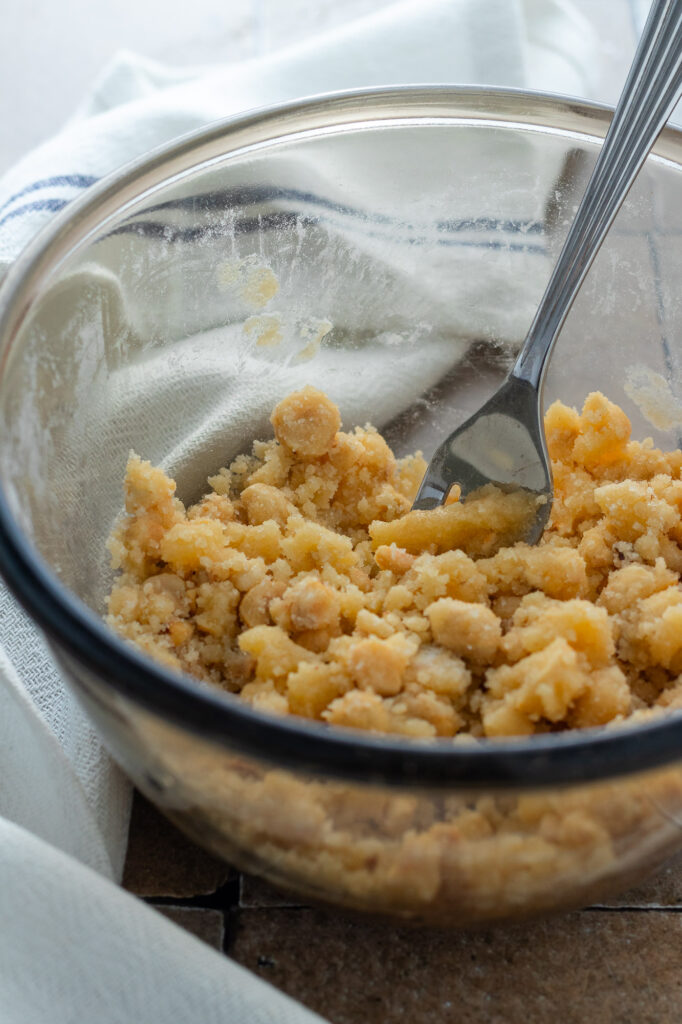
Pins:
x,y
455,856
414,249
395,245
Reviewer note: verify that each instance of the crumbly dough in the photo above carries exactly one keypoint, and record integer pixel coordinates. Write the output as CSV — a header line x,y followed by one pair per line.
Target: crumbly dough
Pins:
x,y
452,856
250,279
303,582
266,328
653,396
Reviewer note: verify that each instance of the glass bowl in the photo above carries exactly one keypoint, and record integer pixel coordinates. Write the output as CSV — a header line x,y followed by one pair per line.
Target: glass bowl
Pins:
x,y
411,231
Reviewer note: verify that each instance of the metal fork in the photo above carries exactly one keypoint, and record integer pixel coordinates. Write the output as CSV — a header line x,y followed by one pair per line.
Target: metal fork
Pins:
x,y
504,442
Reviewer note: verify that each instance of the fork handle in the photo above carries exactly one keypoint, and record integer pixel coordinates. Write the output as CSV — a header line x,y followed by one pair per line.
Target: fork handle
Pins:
x,y
650,93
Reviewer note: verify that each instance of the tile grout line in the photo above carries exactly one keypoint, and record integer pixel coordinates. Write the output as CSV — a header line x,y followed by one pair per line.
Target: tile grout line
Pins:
x,y
223,898
643,908
216,901
649,908
230,929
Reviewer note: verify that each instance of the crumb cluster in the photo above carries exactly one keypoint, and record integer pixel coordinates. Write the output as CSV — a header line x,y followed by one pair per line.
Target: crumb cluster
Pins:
x,y
303,583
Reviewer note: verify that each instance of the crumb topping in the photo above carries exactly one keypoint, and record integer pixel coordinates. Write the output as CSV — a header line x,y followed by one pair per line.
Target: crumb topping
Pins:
x,y
303,582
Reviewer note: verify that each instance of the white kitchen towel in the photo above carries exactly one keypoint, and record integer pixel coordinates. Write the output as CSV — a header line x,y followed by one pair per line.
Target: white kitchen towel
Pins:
x,y
138,104
63,805
100,956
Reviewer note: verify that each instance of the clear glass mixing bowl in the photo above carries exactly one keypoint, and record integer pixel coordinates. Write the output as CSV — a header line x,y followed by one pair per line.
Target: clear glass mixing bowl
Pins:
x,y
415,229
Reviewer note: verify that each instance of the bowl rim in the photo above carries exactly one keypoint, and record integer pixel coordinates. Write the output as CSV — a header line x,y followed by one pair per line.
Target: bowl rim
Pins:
x,y
78,634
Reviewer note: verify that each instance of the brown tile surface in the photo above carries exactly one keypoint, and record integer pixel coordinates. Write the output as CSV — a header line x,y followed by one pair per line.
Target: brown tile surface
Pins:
x,y
255,892
616,966
663,890
161,861
207,925
606,967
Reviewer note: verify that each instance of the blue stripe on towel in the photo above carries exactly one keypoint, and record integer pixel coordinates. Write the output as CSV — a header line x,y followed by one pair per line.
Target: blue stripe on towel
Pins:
x,y
54,205
59,181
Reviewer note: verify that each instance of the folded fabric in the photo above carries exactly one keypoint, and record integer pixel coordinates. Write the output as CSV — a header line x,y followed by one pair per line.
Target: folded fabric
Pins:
x,y
75,949
138,104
